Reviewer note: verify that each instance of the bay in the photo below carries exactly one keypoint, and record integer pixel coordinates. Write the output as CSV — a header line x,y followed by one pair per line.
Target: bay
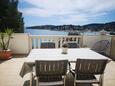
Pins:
x,y
44,32
49,32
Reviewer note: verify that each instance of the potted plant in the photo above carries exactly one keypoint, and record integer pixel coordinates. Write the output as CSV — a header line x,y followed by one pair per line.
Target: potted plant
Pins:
x,y
64,48
5,52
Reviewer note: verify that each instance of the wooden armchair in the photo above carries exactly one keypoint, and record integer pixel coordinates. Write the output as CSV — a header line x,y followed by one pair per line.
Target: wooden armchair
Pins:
x,y
47,45
87,69
49,73
72,45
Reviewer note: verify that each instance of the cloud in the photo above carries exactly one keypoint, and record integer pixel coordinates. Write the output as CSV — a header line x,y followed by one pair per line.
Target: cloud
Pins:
x,y
79,18
74,10
74,19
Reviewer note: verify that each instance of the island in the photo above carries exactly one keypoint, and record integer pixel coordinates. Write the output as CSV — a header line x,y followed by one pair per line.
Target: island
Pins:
x,y
110,26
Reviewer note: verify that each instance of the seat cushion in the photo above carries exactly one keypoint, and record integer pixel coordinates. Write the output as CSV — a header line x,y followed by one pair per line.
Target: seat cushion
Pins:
x,y
72,45
50,78
85,77
47,45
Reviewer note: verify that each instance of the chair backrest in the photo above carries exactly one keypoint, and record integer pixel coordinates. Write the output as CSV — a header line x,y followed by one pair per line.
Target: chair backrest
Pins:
x,y
72,45
101,46
90,66
47,45
58,67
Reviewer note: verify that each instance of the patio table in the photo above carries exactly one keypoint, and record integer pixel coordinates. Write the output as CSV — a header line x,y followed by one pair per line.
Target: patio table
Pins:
x,y
56,54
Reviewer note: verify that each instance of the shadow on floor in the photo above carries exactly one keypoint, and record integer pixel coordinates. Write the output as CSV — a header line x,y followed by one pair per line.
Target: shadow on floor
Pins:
x,y
19,55
27,83
69,82
84,85
2,61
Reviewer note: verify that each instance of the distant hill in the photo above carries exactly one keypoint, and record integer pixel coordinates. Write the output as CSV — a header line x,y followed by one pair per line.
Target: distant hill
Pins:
x,y
110,26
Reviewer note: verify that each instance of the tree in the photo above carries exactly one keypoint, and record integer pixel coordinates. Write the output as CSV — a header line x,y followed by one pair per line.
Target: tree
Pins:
x,y
10,17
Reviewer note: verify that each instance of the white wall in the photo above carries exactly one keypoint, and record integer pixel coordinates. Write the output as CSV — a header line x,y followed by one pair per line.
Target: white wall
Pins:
x,y
89,41
20,43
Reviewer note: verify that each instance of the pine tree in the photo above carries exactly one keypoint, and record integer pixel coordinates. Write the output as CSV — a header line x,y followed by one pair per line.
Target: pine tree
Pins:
x,y
3,6
10,17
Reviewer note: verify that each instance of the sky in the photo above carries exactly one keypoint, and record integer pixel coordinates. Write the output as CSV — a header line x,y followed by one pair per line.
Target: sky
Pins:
x,y
60,12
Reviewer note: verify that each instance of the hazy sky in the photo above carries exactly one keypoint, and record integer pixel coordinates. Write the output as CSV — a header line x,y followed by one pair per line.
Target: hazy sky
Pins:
x,y
59,12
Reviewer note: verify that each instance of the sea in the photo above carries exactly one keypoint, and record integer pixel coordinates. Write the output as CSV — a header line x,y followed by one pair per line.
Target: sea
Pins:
x,y
50,32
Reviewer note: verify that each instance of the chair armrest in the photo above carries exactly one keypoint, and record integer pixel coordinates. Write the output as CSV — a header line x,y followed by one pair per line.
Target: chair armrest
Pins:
x,y
31,78
64,80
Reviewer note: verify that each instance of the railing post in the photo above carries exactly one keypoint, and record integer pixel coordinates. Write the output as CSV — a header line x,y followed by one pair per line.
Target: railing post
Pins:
x,y
30,43
34,42
38,42
80,41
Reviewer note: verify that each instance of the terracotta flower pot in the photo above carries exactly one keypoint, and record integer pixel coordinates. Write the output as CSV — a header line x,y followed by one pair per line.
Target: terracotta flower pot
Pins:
x,y
4,55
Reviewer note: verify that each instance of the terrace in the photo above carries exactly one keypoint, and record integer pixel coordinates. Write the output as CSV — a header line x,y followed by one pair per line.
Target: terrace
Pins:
x,y
21,45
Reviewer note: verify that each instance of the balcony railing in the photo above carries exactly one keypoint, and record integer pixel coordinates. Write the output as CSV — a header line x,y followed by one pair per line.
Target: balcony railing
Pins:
x,y
35,41
22,43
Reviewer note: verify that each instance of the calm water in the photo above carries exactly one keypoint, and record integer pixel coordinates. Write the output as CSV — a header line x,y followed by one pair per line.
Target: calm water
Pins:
x,y
49,32
44,32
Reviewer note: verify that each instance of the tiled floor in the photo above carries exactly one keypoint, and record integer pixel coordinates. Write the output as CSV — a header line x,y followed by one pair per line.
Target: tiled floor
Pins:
x,y
9,73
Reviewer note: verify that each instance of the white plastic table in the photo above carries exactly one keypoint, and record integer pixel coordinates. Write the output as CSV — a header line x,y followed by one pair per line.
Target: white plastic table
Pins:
x,y
56,54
